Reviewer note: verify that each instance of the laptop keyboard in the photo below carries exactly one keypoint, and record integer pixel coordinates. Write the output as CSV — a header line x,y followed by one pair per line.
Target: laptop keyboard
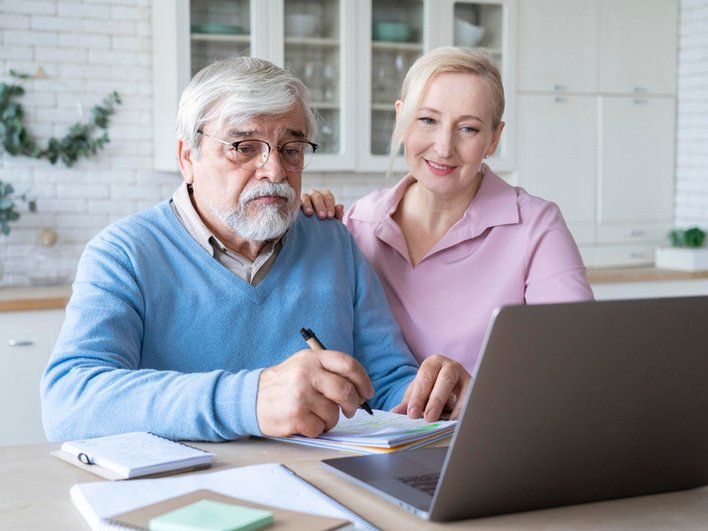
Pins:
x,y
422,482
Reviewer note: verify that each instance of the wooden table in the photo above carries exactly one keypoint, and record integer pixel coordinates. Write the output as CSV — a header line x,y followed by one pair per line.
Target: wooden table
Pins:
x,y
34,494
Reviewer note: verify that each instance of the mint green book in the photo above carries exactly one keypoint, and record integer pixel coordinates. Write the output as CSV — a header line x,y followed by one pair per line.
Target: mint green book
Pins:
x,y
209,515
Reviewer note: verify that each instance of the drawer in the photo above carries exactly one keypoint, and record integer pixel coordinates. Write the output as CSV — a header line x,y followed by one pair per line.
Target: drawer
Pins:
x,y
653,232
624,255
26,341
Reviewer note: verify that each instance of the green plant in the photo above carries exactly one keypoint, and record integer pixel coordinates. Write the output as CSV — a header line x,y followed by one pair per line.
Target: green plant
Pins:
x,y
693,237
8,210
80,141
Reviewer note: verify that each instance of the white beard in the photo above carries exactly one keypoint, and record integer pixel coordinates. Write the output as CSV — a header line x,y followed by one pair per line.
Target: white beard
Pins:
x,y
269,221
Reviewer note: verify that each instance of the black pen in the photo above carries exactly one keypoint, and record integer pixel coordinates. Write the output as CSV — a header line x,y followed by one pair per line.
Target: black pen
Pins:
x,y
314,344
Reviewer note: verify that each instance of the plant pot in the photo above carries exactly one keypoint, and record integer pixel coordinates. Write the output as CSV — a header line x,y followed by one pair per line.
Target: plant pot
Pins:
x,y
682,258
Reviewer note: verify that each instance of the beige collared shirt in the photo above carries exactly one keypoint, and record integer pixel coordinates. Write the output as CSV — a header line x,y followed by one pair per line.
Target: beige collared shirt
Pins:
x,y
251,272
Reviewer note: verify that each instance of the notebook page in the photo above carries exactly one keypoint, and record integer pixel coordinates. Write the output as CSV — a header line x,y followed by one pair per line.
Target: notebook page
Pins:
x,y
136,453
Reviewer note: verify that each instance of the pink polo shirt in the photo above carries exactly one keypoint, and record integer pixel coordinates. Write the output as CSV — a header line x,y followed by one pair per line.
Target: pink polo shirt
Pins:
x,y
509,248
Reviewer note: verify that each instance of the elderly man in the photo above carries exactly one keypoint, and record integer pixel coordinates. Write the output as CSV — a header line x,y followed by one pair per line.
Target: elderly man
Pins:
x,y
185,319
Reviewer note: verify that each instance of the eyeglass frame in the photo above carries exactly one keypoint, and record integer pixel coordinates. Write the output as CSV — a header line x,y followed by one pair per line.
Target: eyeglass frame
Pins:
x,y
278,147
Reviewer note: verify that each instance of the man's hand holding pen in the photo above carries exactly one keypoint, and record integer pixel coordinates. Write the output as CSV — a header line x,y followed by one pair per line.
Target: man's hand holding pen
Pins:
x,y
304,393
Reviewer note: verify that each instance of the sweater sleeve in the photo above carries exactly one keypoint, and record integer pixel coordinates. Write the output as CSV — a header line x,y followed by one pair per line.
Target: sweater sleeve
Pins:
x,y
94,384
378,341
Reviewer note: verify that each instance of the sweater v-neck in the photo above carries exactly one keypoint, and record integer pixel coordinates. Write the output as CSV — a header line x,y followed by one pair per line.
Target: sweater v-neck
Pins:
x,y
256,293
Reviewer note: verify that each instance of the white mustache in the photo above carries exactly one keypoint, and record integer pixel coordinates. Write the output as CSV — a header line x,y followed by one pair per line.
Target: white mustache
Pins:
x,y
267,188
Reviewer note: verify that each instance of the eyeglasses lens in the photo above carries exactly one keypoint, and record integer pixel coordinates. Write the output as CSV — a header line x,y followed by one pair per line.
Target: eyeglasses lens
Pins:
x,y
294,155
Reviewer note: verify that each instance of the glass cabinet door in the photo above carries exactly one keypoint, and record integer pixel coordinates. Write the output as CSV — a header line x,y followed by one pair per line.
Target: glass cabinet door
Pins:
x,y
312,51
218,28
397,32
489,24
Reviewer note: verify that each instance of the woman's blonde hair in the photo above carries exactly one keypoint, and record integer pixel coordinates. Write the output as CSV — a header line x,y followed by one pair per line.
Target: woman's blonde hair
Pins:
x,y
425,68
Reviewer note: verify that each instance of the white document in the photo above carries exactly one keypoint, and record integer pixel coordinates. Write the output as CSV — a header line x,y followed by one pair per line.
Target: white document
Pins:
x,y
268,484
384,428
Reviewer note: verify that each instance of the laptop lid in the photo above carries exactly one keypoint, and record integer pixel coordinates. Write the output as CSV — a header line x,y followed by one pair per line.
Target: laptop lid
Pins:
x,y
571,403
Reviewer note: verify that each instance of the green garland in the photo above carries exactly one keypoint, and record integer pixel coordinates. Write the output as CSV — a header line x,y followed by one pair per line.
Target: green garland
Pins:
x,y
78,142
8,210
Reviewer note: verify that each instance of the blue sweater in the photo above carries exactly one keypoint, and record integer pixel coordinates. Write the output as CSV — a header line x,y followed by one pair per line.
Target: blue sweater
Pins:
x,y
161,337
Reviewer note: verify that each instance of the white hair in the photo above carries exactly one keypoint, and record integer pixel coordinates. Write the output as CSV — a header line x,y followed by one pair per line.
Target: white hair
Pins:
x,y
235,90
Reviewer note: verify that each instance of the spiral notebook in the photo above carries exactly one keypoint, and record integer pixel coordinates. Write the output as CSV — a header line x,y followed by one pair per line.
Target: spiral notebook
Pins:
x,y
105,504
133,454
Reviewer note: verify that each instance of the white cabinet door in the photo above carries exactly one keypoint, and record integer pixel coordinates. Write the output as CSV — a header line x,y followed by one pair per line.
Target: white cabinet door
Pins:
x,y
558,45
558,154
639,42
637,164
622,54
321,57
26,341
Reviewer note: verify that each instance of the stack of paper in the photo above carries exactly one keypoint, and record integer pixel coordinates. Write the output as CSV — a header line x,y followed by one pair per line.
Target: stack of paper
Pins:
x,y
381,432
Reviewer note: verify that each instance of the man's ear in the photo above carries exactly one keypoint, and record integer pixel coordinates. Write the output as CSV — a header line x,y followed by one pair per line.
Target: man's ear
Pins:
x,y
184,159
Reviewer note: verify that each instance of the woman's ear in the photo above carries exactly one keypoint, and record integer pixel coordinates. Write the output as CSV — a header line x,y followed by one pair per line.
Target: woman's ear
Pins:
x,y
184,159
495,140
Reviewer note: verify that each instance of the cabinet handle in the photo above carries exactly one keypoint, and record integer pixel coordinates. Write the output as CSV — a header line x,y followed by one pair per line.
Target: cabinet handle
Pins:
x,y
640,101
20,342
558,86
640,90
636,233
559,99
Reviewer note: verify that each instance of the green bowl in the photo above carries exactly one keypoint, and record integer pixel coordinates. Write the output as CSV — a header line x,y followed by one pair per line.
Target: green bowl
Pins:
x,y
217,28
391,31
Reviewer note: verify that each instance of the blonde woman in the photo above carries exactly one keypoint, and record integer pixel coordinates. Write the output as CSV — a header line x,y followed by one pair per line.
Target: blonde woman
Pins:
x,y
451,241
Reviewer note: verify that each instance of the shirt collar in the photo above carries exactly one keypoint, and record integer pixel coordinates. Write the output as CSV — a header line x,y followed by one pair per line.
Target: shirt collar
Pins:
x,y
494,204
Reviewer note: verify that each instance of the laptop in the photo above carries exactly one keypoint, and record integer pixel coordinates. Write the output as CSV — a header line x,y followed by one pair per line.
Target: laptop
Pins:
x,y
571,403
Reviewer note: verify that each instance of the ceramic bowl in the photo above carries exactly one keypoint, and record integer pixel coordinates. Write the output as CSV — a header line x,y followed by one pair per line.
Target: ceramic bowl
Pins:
x,y
302,25
391,31
467,33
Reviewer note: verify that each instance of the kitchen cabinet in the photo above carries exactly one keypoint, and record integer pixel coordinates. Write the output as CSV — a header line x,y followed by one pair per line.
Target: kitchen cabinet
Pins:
x,y
562,163
26,341
352,54
597,120
638,46
637,162
558,46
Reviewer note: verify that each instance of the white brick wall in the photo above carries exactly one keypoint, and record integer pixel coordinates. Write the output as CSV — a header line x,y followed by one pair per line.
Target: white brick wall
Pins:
x,y
97,46
93,47
691,200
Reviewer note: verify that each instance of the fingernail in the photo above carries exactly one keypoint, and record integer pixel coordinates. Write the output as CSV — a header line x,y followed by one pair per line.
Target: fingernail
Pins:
x,y
414,412
321,213
308,211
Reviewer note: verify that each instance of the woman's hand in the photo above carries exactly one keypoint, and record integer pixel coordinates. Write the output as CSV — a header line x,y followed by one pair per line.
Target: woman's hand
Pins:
x,y
439,388
322,202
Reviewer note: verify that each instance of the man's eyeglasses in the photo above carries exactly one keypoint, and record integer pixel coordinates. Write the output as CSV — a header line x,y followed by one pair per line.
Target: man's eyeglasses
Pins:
x,y
295,155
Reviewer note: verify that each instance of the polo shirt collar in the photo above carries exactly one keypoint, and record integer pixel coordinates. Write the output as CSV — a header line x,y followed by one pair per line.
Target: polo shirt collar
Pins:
x,y
494,204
